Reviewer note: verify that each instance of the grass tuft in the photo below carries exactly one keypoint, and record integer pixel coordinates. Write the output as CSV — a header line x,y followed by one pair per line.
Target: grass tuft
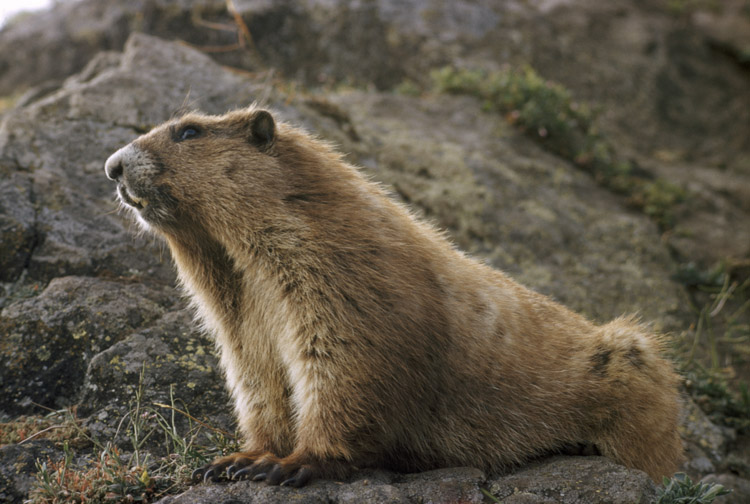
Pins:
x,y
716,349
111,475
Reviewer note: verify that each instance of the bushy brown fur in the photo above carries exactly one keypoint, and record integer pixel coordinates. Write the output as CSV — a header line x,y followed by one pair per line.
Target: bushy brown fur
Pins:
x,y
353,334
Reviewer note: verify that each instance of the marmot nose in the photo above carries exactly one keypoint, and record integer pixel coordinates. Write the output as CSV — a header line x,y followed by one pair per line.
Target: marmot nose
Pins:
x,y
113,167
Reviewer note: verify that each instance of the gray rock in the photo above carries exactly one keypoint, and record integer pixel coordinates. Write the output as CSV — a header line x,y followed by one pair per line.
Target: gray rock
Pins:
x,y
707,215
165,362
574,480
62,40
727,28
444,486
740,488
74,231
706,442
584,480
17,225
48,340
17,468
700,465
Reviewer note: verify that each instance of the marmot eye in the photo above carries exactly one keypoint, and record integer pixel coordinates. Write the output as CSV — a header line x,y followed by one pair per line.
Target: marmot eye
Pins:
x,y
188,132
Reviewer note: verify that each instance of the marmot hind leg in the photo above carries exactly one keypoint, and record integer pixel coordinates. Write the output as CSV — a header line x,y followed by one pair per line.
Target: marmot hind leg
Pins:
x,y
657,453
635,422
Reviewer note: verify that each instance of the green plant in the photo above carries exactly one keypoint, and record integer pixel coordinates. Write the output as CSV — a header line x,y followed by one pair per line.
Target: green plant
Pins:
x,y
657,198
716,348
490,496
714,396
716,351
108,479
541,107
681,490
547,111
109,475
408,87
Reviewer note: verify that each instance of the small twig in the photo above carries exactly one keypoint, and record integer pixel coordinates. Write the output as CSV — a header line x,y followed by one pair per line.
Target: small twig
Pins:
x,y
488,494
191,417
242,27
267,88
723,299
214,26
244,37
734,316
696,338
212,49
51,427
45,407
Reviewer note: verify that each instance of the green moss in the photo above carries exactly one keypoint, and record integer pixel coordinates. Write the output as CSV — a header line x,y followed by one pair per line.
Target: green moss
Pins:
x,y
547,112
9,101
721,404
685,7
542,108
657,198
690,275
56,426
408,88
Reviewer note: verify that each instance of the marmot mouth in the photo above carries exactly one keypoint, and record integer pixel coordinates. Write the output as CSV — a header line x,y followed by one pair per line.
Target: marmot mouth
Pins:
x,y
129,199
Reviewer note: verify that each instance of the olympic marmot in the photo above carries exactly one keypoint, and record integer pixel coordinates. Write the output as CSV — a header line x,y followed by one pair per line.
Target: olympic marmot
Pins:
x,y
353,334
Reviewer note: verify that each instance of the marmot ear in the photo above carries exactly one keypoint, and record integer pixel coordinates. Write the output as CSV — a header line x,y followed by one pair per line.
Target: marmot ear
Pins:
x,y
262,129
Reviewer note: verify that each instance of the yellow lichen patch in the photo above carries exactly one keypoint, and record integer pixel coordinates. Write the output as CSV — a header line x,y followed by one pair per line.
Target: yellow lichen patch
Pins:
x,y
43,353
80,333
189,362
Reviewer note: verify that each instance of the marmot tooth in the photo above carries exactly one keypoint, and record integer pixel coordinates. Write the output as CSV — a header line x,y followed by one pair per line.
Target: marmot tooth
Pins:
x,y
135,199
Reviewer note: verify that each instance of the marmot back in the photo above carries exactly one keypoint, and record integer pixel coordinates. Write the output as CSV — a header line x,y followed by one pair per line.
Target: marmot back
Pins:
x,y
352,334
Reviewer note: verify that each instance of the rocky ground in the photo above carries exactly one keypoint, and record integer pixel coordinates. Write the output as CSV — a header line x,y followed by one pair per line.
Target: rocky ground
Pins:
x,y
90,316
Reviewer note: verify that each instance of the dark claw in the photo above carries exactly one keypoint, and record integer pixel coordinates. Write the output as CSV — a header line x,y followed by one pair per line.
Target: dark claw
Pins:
x,y
299,479
276,475
212,475
243,473
259,477
197,475
231,470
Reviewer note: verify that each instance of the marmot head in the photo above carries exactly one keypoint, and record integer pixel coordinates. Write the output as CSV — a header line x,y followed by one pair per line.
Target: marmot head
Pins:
x,y
198,169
